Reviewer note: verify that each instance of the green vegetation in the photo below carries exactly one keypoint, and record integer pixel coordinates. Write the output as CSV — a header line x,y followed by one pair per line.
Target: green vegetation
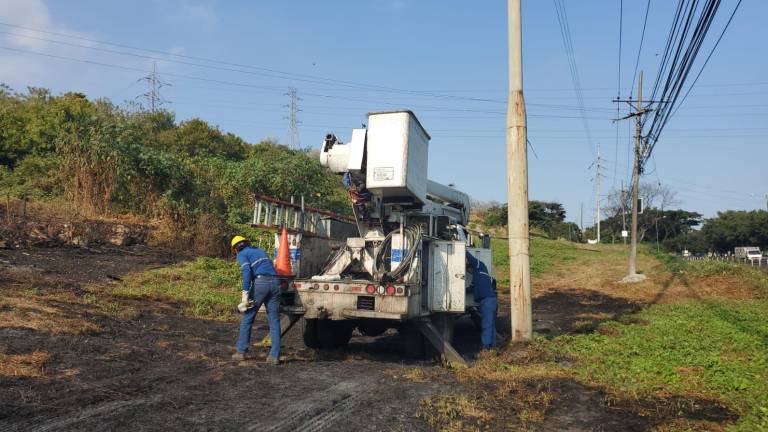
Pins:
x,y
700,351
736,228
544,254
107,160
704,268
546,217
204,288
714,348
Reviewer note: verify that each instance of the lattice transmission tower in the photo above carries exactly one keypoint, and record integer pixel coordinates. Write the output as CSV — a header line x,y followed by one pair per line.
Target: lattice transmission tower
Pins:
x,y
293,122
154,84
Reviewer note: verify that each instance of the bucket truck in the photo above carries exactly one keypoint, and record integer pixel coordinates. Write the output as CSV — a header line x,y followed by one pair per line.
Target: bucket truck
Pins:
x,y
406,268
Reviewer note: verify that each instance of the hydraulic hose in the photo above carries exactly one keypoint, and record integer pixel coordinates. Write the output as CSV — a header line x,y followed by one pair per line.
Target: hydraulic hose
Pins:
x,y
413,236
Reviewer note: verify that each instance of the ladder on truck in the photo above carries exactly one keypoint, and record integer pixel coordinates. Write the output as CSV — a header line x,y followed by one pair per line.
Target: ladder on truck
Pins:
x,y
273,213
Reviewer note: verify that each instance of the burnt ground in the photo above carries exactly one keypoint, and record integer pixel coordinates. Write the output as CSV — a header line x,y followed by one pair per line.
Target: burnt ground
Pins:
x,y
158,370
154,369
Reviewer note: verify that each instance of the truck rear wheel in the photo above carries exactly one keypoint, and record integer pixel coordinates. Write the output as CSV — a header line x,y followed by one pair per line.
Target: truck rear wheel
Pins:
x,y
415,345
310,334
326,334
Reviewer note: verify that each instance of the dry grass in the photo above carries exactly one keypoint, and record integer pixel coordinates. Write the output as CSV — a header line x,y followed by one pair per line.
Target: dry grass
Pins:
x,y
23,365
453,413
60,210
416,375
601,267
511,390
35,314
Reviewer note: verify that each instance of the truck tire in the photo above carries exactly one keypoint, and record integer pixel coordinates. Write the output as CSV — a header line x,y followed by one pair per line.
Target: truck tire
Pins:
x,y
342,333
326,334
310,334
415,345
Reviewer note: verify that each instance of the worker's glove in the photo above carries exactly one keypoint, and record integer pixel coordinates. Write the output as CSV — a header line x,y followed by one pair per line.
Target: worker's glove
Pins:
x,y
245,304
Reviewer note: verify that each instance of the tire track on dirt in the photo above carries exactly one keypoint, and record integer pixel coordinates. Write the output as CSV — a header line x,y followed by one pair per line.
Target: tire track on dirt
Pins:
x,y
319,413
70,419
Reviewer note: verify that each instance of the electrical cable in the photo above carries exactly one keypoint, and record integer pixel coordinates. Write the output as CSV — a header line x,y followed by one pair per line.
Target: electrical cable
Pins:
x,y
708,57
413,236
565,34
618,89
640,49
268,72
686,49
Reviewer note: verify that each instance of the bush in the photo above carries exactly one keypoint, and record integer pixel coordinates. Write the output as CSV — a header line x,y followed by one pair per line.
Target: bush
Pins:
x,y
197,180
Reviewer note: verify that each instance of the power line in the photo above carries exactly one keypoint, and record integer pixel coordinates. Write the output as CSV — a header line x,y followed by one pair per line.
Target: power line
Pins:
x,y
685,52
708,57
640,49
565,33
263,71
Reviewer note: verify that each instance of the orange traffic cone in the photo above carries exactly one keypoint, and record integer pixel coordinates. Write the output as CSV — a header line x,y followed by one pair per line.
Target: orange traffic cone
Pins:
x,y
283,261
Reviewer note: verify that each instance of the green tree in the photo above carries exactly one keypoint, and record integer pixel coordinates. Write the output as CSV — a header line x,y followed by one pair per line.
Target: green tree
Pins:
x,y
730,229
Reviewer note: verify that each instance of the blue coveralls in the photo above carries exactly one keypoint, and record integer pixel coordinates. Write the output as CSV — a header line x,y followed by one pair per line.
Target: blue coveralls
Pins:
x,y
263,288
485,295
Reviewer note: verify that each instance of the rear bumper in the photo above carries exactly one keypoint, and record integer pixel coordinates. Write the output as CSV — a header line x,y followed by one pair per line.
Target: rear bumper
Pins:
x,y
292,310
356,313
339,306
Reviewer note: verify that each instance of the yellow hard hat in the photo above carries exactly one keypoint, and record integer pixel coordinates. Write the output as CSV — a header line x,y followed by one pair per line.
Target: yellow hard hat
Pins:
x,y
236,240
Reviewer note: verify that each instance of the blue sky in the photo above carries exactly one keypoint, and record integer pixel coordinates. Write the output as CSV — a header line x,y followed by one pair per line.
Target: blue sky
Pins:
x,y
445,60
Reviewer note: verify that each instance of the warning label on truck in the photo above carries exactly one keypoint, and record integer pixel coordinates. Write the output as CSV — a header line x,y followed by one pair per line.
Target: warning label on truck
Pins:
x,y
383,173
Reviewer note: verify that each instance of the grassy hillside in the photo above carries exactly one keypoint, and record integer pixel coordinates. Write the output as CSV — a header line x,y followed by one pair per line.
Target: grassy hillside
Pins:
x,y
102,160
685,350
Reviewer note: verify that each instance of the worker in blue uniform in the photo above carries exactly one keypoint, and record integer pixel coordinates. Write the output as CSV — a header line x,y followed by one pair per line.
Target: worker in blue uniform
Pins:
x,y
260,286
484,292
358,194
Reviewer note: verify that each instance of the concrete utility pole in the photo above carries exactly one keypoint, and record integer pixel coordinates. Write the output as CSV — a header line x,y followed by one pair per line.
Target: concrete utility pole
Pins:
x,y
636,180
623,213
517,184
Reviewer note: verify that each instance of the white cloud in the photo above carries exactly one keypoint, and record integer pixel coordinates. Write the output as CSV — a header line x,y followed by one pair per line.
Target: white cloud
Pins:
x,y
27,13
20,67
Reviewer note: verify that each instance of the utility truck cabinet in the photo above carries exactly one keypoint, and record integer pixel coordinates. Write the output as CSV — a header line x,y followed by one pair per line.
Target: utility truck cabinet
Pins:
x,y
446,287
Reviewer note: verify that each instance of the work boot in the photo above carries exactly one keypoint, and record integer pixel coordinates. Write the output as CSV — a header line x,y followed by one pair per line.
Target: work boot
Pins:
x,y
272,361
238,356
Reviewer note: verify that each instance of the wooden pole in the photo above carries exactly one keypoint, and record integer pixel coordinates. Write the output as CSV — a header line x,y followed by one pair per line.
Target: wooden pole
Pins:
x,y
517,184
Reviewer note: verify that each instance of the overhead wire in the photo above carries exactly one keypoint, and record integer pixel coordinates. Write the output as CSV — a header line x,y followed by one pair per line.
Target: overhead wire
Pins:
x,y
565,33
262,71
712,51
639,49
685,54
